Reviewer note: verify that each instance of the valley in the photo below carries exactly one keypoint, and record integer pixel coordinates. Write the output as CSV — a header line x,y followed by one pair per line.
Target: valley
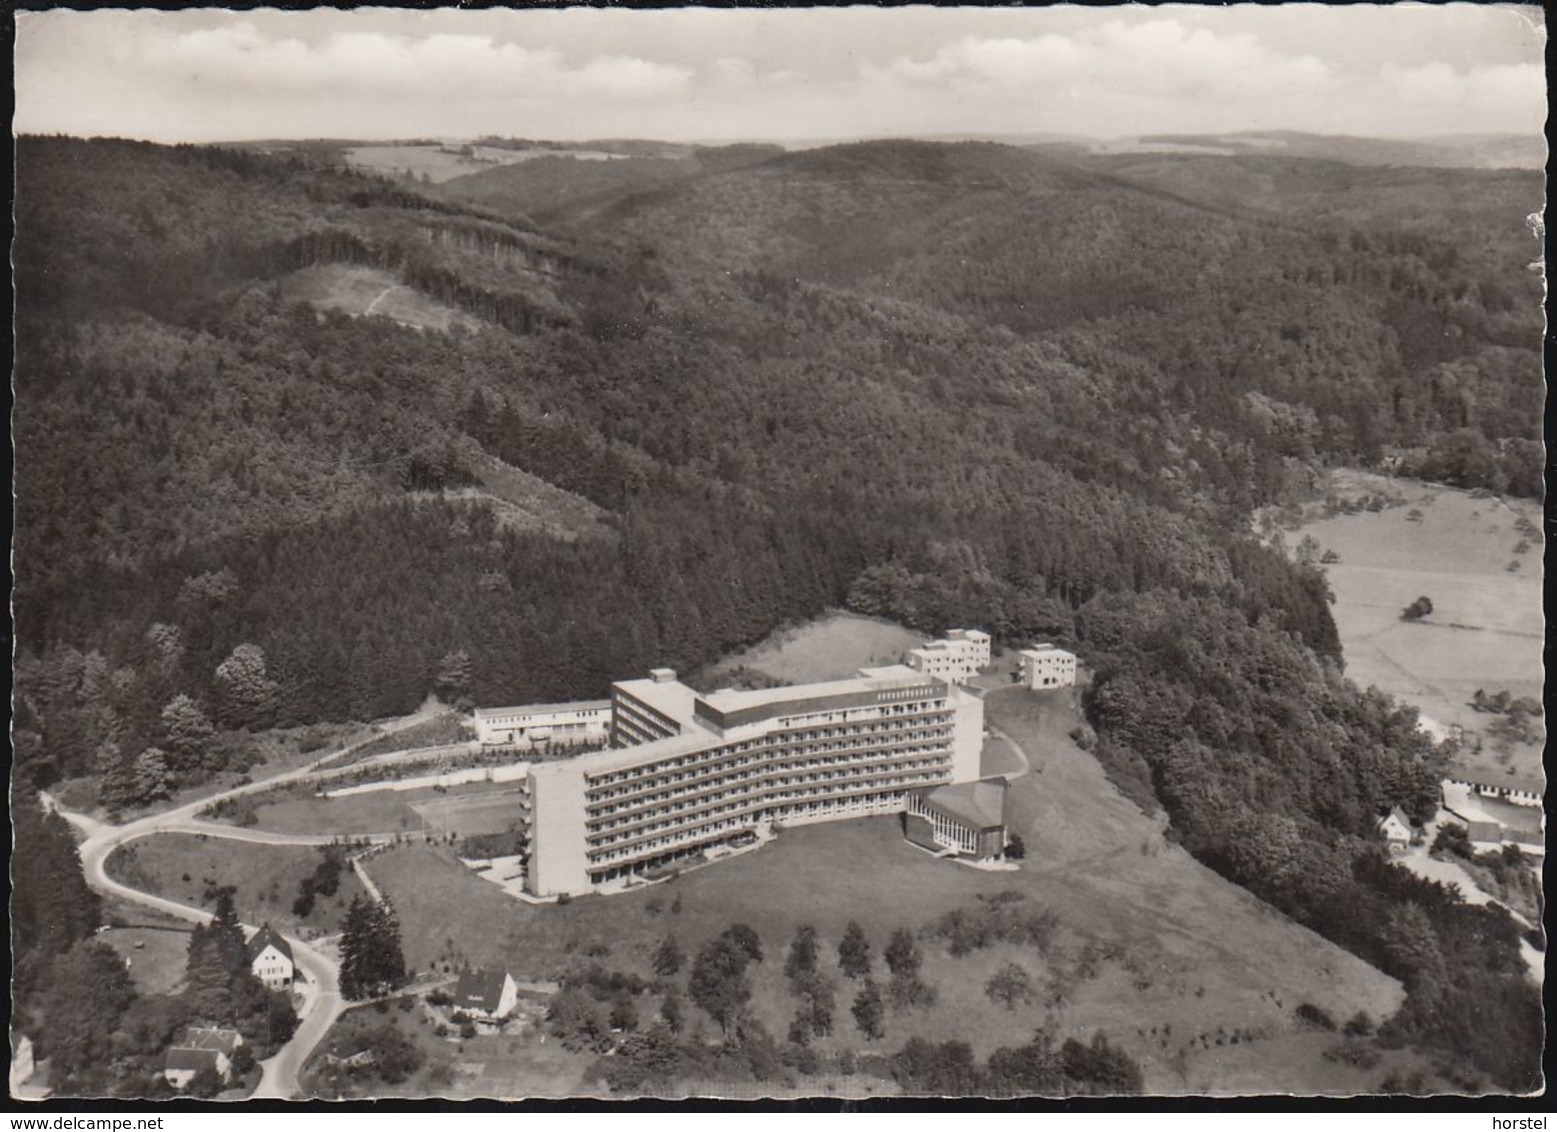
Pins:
x,y
302,446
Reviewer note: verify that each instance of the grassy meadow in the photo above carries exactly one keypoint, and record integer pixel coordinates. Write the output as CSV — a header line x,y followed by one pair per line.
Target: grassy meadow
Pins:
x,y
185,866
832,647
1486,629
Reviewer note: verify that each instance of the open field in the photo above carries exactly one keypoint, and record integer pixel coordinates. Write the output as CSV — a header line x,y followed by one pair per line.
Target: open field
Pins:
x,y
182,866
358,290
1183,952
157,964
379,811
1486,628
437,166
832,647
468,815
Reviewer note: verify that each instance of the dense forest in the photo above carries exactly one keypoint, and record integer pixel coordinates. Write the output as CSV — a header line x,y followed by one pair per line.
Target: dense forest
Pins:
x,y
944,383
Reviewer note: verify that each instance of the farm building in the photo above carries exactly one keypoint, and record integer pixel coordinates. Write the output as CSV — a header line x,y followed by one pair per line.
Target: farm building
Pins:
x,y
270,958
1520,790
967,817
1045,666
486,993
203,1047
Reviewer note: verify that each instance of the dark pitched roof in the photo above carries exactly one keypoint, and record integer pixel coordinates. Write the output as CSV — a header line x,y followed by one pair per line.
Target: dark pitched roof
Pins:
x,y
481,989
979,804
211,1038
182,1057
1398,814
267,936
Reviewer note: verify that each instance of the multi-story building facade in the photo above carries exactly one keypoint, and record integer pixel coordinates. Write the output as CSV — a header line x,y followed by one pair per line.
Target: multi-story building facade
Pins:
x,y
1048,667
955,657
691,772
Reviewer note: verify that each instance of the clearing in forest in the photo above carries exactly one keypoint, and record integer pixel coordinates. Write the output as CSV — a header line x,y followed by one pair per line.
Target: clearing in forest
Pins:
x,y
1477,557
358,290
833,647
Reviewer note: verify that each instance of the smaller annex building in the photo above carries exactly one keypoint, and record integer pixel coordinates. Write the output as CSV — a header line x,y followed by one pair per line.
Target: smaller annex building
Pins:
x,y
1046,666
954,658
202,1047
586,721
965,817
270,958
487,993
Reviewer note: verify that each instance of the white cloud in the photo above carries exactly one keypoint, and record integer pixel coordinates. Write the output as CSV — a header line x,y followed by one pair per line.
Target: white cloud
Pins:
x,y
690,74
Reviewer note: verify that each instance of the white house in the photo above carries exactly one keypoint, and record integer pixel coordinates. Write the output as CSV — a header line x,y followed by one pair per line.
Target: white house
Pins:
x,y
1396,829
585,721
956,657
486,993
1045,666
203,1047
270,958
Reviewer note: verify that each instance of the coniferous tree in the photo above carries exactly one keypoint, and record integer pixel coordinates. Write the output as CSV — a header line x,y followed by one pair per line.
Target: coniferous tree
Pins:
x,y
854,952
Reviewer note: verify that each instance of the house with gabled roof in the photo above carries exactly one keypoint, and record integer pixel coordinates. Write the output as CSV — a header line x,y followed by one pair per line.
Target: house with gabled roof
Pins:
x,y
270,958
1396,829
487,993
202,1047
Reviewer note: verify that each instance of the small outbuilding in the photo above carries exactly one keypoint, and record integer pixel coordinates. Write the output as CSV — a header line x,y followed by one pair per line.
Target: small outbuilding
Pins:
x,y
489,994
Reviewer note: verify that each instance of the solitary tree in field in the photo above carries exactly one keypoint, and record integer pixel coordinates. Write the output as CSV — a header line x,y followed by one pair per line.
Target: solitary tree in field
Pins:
x,y
802,954
1010,986
869,1011
669,957
718,981
854,952
902,954
745,940
1418,609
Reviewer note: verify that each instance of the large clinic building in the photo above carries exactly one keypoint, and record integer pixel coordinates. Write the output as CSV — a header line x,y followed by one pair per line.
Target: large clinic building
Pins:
x,y
689,772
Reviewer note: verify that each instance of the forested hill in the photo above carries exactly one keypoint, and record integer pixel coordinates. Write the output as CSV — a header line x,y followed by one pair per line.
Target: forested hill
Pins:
x,y
956,384
1381,308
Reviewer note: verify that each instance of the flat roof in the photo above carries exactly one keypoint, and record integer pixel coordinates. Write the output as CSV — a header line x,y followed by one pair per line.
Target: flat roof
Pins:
x,y
670,698
868,680
623,758
535,709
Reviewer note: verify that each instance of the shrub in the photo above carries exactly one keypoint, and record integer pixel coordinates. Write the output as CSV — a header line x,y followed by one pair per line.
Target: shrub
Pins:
x,y
1315,1016
1360,1025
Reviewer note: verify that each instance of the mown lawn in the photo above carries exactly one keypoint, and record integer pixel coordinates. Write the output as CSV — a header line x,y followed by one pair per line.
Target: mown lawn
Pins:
x,y
185,866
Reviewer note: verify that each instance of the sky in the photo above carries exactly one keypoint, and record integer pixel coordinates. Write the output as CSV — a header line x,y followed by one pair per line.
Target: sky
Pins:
x,y
805,74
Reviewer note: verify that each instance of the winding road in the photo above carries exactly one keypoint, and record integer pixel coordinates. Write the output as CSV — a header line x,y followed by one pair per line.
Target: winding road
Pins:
x,y
322,1003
